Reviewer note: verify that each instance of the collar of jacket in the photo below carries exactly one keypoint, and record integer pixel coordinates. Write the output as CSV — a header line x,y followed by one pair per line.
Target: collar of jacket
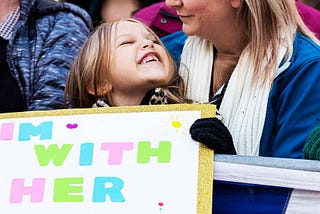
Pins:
x,y
25,8
152,97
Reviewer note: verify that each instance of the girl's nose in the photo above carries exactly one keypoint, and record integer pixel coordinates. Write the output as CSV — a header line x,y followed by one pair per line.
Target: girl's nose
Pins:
x,y
148,44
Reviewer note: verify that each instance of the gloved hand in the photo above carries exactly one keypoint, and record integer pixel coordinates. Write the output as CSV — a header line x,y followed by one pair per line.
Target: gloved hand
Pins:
x,y
214,134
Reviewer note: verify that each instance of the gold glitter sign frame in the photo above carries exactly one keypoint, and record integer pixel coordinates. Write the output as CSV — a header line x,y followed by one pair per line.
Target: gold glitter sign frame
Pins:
x,y
48,157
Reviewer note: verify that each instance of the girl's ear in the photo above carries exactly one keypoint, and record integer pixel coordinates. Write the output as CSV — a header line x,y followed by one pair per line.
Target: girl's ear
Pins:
x,y
101,91
235,3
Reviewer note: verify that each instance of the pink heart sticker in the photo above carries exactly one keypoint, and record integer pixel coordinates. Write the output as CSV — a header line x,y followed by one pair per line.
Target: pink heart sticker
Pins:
x,y
72,126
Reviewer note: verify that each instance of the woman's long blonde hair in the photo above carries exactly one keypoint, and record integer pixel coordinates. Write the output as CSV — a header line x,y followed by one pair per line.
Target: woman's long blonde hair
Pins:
x,y
269,24
91,69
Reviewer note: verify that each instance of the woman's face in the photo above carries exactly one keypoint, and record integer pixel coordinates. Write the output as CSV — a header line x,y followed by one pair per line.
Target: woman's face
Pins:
x,y
207,19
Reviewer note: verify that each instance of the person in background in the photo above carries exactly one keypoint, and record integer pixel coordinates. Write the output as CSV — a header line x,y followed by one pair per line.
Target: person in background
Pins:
x,y
310,17
160,18
312,3
123,63
39,40
311,149
259,63
109,10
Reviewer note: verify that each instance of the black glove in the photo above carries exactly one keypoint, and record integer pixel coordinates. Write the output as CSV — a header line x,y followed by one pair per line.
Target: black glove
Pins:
x,y
213,133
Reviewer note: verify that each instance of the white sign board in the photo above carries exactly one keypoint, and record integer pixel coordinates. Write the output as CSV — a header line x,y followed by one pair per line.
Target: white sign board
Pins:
x,y
108,160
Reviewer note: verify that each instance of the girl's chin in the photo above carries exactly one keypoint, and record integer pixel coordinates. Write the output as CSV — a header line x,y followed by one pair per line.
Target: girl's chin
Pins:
x,y
158,83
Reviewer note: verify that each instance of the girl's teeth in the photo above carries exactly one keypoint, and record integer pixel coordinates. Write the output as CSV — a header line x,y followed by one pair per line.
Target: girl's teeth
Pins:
x,y
149,59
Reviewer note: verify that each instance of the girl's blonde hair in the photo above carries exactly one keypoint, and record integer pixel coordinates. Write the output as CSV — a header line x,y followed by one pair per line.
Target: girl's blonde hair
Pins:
x,y
91,69
270,24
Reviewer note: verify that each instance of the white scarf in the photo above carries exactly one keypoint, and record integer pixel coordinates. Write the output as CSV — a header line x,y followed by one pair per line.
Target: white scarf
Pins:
x,y
243,108
197,56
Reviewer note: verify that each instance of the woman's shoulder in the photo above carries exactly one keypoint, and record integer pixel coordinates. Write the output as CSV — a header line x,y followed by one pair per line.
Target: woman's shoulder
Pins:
x,y
304,63
177,37
174,43
305,49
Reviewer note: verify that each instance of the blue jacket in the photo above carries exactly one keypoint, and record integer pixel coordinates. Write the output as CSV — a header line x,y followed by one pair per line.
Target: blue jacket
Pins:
x,y
43,46
293,108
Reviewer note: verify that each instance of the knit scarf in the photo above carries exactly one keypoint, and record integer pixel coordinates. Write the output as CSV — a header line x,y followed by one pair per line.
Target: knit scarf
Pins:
x,y
243,107
197,56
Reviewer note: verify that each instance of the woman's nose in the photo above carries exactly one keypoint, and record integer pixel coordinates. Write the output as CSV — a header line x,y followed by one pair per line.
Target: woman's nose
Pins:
x,y
173,3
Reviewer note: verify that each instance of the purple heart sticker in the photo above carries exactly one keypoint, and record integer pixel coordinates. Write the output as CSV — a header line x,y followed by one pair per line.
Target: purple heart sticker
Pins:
x,y
72,126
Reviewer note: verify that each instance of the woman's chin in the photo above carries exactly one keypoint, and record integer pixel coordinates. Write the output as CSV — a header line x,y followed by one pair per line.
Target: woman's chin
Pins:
x,y
189,30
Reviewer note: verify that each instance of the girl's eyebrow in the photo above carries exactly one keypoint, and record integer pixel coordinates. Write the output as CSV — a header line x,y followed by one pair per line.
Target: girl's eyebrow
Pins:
x,y
124,35
149,34
128,34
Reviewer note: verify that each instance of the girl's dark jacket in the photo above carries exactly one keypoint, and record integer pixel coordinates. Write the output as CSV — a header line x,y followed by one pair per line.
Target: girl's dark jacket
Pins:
x,y
43,46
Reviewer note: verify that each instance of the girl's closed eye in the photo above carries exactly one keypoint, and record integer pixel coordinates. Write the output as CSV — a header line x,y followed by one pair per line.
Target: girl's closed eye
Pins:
x,y
156,42
153,39
126,42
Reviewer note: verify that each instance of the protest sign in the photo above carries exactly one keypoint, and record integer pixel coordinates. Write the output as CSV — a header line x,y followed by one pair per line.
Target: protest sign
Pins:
x,y
137,159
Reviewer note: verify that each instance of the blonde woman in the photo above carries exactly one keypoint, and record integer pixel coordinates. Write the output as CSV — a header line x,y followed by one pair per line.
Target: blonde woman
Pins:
x,y
259,63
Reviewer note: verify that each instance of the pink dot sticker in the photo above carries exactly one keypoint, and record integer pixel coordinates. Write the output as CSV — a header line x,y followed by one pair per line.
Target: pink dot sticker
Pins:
x,y
160,204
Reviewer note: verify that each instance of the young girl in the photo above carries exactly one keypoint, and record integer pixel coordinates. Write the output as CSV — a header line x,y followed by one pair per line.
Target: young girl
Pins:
x,y
123,63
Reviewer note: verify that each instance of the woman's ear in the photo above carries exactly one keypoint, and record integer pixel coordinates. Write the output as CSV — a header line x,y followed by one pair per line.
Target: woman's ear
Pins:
x,y
235,3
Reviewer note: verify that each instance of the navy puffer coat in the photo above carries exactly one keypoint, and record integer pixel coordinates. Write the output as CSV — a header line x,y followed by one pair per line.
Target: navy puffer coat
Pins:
x,y
43,46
